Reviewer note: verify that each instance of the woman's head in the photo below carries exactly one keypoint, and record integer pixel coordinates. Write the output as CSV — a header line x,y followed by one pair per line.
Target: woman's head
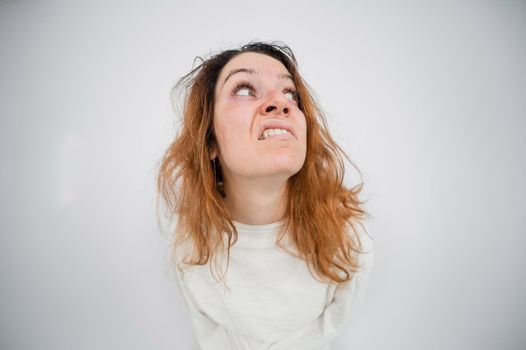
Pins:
x,y
231,96
229,101
259,129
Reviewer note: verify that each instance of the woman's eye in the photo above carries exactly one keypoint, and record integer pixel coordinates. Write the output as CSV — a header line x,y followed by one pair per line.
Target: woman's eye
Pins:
x,y
291,94
243,92
243,89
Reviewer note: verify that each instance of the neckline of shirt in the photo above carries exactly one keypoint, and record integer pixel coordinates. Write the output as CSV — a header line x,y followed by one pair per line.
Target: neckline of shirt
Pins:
x,y
258,228
257,236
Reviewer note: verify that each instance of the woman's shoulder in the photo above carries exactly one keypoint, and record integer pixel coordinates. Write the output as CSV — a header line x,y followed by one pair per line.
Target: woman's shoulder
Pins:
x,y
365,242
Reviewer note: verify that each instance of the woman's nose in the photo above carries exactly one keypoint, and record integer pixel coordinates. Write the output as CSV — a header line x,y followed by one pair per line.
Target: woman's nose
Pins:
x,y
276,105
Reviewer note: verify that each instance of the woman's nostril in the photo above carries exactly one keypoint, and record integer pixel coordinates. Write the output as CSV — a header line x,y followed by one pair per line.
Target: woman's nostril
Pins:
x,y
285,110
270,108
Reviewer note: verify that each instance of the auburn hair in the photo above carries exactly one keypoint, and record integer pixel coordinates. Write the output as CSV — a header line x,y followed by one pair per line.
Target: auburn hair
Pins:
x,y
322,215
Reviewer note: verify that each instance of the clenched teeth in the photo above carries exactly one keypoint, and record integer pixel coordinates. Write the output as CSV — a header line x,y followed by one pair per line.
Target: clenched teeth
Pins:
x,y
270,132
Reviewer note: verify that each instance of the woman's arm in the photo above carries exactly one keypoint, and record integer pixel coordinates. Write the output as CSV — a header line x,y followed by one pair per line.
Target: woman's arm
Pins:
x,y
348,298
209,334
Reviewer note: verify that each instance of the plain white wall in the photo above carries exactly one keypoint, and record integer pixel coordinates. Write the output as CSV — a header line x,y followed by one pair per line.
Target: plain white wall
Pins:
x,y
428,98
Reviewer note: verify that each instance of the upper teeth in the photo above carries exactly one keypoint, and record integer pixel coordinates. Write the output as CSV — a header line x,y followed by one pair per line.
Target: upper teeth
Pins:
x,y
270,132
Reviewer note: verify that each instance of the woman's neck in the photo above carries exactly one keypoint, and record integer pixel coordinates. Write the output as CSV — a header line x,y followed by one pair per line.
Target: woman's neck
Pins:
x,y
256,202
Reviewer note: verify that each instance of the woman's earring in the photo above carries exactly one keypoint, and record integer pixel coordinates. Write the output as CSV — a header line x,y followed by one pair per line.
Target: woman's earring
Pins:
x,y
218,178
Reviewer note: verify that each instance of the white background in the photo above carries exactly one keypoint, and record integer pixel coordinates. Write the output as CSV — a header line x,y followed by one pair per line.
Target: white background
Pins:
x,y
428,98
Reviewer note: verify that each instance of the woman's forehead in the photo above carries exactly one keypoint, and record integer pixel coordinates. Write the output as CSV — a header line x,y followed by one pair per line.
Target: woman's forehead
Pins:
x,y
256,63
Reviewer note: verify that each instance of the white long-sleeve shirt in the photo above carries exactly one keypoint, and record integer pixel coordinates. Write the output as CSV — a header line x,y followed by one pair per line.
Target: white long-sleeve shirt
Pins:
x,y
274,303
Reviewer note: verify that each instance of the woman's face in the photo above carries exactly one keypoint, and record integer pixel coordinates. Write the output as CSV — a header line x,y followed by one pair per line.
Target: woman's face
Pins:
x,y
260,130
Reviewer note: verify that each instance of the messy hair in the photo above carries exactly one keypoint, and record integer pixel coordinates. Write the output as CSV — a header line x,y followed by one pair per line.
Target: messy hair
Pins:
x,y
322,215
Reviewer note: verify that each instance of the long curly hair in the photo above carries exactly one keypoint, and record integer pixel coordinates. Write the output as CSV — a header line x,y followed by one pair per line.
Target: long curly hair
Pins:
x,y
322,215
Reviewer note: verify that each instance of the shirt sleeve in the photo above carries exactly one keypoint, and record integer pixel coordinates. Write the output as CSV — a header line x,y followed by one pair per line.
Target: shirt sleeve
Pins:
x,y
348,298
209,334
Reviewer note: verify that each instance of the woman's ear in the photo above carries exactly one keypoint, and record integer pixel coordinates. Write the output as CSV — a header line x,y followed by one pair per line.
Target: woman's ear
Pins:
x,y
213,152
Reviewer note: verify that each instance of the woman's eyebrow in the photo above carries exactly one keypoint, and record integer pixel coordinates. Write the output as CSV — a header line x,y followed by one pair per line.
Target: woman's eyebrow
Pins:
x,y
286,76
239,70
251,71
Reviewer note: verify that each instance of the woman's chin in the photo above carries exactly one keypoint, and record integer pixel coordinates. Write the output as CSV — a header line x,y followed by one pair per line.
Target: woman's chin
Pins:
x,y
287,169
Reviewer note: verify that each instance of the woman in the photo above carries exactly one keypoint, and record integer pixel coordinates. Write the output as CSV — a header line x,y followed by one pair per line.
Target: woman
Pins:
x,y
255,183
